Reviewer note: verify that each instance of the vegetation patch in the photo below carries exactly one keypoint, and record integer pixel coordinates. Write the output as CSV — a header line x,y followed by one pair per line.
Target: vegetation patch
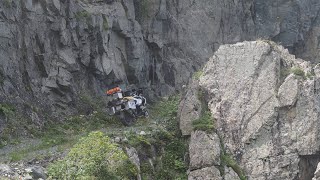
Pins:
x,y
142,9
62,135
226,159
172,165
170,147
204,123
82,15
166,109
94,157
105,24
7,109
7,3
297,71
197,75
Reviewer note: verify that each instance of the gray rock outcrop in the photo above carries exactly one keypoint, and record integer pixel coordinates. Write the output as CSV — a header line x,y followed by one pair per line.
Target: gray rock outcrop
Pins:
x,y
190,107
265,103
208,173
204,150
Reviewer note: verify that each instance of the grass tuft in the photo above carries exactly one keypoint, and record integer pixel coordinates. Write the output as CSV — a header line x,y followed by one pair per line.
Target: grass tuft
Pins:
x,y
197,75
297,71
204,123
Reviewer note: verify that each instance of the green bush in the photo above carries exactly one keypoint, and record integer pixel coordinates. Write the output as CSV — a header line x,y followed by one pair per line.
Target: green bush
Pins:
x,y
172,164
297,71
204,123
7,110
93,157
167,109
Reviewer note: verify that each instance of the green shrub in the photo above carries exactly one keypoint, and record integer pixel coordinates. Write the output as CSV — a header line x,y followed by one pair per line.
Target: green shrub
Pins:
x,y
167,109
172,164
297,71
93,157
204,123
7,109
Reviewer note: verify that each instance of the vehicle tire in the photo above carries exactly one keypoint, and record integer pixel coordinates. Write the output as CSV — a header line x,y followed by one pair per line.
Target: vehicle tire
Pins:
x,y
126,118
110,111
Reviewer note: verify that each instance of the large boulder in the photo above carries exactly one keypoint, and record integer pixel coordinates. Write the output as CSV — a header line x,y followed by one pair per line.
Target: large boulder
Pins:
x,y
266,105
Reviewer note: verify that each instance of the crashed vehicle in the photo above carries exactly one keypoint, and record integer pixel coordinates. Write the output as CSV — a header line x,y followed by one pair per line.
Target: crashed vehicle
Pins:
x,y
127,105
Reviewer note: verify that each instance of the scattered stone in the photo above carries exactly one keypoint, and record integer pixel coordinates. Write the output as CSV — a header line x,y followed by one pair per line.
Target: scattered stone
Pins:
x,y
117,139
27,177
38,172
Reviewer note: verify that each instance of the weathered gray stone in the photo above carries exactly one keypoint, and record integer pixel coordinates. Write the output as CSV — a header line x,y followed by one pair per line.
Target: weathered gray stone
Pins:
x,y
134,158
204,150
269,123
38,172
208,173
317,173
5,169
230,174
189,108
288,91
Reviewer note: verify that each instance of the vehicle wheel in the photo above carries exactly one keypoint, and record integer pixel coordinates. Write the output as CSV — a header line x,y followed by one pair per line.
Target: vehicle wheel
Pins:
x,y
126,118
110,111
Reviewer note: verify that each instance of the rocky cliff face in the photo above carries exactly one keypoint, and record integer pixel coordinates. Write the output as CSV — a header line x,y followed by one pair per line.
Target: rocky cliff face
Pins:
x,y
54,51
265,106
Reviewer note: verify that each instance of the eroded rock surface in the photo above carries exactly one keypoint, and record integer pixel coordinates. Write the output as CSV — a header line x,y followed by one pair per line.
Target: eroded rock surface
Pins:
x,y
265,110
190,107
204,150
208,173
